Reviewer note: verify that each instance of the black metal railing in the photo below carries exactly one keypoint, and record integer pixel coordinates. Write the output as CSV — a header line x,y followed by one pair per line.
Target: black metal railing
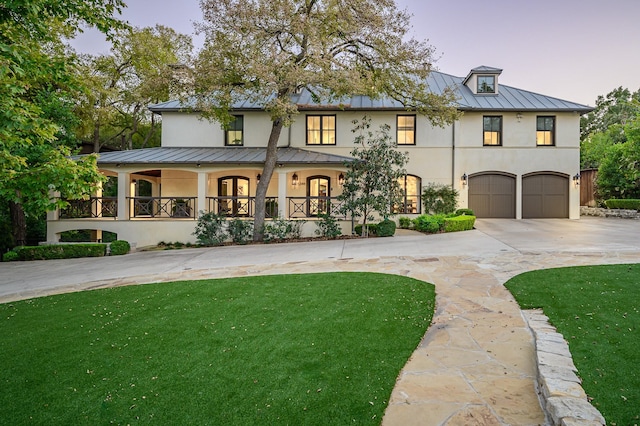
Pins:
x,y
241,206
93,207
171,207
301,207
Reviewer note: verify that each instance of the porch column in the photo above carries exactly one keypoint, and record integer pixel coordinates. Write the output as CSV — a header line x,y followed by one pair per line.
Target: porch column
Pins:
x,y
124,192
53,215
96,207
282,193
202,193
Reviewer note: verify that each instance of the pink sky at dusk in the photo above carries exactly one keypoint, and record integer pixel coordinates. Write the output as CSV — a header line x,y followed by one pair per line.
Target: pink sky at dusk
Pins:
x,y
569,49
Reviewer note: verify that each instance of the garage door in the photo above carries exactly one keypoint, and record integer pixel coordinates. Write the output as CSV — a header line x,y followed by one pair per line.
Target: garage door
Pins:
x,y
493,195
545,196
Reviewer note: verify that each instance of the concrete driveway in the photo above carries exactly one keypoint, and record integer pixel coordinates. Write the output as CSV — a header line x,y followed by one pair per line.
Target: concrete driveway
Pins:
x,y
491,237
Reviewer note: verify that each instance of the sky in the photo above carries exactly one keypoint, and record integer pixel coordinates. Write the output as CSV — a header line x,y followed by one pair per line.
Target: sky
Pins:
x,y
574,50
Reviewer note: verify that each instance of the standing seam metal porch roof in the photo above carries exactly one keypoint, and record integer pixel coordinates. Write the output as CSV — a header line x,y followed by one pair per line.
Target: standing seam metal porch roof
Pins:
x,y
507,99
221,155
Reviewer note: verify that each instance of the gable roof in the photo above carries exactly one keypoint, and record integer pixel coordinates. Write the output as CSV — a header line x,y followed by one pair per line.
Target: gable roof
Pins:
x,y
508,99
220,155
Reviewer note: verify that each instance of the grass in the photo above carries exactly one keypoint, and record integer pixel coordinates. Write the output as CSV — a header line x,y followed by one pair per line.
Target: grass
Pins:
x,y
291,349
596,309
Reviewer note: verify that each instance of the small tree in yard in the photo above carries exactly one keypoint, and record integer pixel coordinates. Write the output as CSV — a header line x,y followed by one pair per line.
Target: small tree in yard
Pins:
x,y
262,52
371,184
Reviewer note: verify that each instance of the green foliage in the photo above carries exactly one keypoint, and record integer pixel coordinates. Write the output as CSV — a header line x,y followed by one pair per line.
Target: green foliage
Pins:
x,y
371,229
280,229
619,171
386,228
439,198
467,212
60,251
119,247
85,235
371,184
630,204
10,256
596,309
459,223
210,229
429,224
240,230
182,353
404,222
616,109
328,226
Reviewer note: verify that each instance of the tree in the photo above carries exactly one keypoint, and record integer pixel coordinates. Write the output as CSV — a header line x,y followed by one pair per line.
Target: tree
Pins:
x,y
371,184
137,72
618,107
264,51
38,83
619,171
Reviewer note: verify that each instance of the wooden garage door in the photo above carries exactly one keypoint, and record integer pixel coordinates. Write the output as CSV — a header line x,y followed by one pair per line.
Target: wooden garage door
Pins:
x,y
545,196
493,195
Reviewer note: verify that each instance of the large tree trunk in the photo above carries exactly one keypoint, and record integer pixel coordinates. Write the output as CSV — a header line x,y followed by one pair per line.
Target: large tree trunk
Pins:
x,y
261,191
18,223
96,137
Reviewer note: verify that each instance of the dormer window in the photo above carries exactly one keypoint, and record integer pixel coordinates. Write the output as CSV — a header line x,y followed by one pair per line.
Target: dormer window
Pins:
x,y
486,84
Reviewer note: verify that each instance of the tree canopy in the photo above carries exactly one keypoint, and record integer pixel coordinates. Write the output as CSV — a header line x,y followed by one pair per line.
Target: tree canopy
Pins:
x,y
264,51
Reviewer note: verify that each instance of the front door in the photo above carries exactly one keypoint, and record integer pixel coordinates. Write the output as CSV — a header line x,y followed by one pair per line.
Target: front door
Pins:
x,y
318,191
233,193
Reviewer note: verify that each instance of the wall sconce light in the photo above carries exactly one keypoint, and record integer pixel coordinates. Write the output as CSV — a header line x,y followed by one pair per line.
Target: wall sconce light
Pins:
x,y
519,116
576,179
258,177
294,179
340,179
464,179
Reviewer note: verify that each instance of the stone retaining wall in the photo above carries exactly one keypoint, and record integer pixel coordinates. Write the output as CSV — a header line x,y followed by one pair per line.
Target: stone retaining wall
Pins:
x,y
601,212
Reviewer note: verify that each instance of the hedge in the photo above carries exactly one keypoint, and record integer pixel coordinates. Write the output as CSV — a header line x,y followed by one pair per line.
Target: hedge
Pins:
x,y
60,251
459,223
373,228
428,223
630,204
119,247
386,228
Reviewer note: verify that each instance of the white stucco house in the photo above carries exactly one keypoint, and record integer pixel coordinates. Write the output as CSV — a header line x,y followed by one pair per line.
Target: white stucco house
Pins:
x,y
513,154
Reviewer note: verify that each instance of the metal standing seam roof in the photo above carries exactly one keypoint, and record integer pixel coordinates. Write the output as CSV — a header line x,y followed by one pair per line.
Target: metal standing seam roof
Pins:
x,y
220,155
507,99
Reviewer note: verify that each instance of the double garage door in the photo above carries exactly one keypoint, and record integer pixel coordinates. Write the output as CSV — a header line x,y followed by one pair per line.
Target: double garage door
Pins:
x,y
544,195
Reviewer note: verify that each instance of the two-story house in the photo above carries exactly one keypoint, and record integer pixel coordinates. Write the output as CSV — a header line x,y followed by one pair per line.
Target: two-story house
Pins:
x,y
513,154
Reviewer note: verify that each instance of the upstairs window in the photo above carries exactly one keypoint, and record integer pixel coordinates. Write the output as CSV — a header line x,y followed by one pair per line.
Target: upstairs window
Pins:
x,y
234,135
492,131
545,131
486,84
406,129
321,129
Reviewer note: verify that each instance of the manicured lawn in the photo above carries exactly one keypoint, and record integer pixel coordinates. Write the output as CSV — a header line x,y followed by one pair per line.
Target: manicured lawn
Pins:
x,y
292,349
597,309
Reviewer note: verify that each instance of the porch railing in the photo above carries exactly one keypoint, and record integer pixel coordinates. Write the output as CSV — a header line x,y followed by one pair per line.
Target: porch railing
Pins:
x,y
93,207
169,207
301,207
241,206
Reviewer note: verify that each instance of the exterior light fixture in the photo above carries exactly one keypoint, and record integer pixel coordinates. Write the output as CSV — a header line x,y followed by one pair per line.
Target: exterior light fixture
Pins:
x,y
258,177
340,179
576,179
294,179
464,178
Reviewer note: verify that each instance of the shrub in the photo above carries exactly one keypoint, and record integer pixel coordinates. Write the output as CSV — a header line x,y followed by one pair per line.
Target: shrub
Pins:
x,y
210,229
439,199
281,229
328,226
372,227
386,228
404,222
240,231
630,204
10,256
119,247
429,224
467,212
459,223
61,251
295,228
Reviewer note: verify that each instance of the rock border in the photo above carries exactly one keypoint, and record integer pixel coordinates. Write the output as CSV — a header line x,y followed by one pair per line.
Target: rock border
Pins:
x,y
563,398
602,212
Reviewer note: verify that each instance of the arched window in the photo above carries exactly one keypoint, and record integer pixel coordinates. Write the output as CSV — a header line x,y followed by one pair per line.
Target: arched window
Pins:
x,y
410,186
233,196
318,193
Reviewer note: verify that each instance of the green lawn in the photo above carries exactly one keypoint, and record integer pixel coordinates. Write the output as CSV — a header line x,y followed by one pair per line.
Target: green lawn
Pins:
x,y
290,349
597,309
